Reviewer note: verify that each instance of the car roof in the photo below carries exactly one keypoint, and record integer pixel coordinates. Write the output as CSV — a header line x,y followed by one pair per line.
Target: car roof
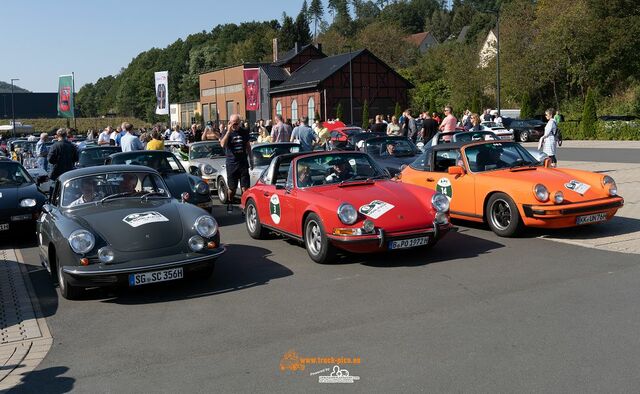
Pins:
x,y
262,144
144,152
101,147
85,171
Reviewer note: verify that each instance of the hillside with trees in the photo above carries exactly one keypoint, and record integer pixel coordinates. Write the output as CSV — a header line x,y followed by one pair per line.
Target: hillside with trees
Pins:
x,y
6,88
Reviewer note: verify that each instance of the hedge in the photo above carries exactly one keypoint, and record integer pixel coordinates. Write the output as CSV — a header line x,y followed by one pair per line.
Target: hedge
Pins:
x,y
82,124
610,130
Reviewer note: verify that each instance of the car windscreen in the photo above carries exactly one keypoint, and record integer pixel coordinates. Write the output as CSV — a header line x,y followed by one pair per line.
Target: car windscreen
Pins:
x,y
24,145
261,155
112,185
391,147
12,173
498,155
159,161
206,151
474,136
330,169
95,157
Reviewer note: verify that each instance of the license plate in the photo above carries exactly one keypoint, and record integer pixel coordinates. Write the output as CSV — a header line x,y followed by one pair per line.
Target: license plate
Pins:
x,y
155,277
4,226
408,243
18,218
596,217
205,204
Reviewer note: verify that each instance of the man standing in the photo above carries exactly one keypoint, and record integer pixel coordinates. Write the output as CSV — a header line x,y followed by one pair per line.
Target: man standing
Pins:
x,y
178,135
103,138
237,150
429,127
42,151
130,142
412,129
305,134
113,135
379,126
281,132
449,121
63,155
121,134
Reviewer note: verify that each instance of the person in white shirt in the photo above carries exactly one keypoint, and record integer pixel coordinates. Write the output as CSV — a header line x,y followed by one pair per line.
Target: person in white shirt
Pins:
x,y
103,138
113,135
178,135
129,142
88,190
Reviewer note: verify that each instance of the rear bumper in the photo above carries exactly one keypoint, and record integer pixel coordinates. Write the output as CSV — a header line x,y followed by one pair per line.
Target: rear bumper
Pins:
x,y
565,215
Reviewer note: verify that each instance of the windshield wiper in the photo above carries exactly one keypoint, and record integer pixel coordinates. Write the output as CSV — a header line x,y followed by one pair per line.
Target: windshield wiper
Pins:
x,y
116,195
153,193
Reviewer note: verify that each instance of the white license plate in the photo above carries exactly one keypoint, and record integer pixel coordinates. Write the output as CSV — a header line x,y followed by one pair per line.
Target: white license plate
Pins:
x,y
408,243
4,226
155,276
596,217
19,218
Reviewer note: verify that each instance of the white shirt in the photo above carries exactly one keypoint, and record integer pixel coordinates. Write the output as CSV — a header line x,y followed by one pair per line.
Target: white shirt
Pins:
x,y
178,136
130,142
113,135
103,138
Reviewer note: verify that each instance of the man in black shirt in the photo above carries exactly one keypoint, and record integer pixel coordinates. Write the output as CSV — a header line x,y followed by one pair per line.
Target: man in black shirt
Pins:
x,y
379,126
237,150
63,155
429,127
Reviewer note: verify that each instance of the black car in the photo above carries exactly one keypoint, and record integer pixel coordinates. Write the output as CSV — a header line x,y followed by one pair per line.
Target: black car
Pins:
x,y
391,152
95,156
182,186
118,225
20,197
527,129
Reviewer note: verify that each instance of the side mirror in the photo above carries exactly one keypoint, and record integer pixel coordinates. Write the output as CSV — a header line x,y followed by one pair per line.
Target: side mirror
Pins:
x,y
456,170
193,170
46,208
547,162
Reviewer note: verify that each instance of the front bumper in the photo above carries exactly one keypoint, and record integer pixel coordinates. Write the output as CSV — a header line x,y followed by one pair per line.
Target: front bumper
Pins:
x,y
98,275
565,215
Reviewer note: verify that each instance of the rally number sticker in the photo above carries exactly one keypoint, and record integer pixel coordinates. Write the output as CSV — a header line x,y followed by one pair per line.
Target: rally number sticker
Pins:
x,y
274,208
444,186
577,186
140,219
375,209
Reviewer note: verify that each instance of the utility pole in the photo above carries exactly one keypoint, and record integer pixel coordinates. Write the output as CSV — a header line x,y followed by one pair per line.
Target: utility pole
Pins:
x,y
13,109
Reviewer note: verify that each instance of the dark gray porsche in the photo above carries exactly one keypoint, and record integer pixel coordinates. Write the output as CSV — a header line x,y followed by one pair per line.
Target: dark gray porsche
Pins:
x,y
391,152
20,197
118,225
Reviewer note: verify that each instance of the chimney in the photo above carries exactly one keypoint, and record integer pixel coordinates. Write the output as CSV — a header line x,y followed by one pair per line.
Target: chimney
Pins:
x,y
297,47
275,50
319,46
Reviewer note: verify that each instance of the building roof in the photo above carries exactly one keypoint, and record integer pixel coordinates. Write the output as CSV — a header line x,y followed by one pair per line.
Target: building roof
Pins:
x,y
292,53
275,73
417,38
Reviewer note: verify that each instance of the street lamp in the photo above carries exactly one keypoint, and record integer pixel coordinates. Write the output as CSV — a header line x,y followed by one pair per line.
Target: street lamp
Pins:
x,y
13,110
215,87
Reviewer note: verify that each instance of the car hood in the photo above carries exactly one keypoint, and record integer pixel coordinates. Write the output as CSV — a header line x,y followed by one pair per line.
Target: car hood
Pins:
x,y
177,184
130,225
13,194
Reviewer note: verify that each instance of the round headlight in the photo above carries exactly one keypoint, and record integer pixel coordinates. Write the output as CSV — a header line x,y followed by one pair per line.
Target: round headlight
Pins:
x,y
440,202
207,169
347,213
105,254
541,192
28,202
368,226
202,188
196,243
607,181
81,241
558,197
206,226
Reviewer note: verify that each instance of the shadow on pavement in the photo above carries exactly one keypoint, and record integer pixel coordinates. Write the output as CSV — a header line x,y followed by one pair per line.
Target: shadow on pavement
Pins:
x,y
45,290
19,239
47,380
227,219
616,226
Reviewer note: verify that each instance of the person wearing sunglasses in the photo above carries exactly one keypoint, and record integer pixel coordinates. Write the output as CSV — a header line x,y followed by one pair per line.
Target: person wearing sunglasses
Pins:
x,y
237,150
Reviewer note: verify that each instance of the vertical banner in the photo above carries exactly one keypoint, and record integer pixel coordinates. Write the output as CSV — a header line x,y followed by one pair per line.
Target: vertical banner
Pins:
x,y
252,89
65,96
162,92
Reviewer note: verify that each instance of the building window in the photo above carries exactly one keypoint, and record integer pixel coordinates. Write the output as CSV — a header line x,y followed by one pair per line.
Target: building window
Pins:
x,y
205,113
311,110
294,111
229,109
214,111
279,108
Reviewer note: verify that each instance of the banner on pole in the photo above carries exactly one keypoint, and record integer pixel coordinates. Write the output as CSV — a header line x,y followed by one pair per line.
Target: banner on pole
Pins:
x,y
65,96
252,89
162,92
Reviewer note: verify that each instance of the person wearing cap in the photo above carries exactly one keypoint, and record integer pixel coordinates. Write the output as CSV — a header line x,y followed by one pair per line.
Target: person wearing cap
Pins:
x,y
341,171
42,151
63,155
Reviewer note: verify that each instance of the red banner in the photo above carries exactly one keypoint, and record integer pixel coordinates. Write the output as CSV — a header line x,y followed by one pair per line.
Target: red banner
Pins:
x,y
252,89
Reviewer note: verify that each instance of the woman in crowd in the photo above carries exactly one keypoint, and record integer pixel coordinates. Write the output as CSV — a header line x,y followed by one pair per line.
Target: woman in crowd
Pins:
x,y
393,128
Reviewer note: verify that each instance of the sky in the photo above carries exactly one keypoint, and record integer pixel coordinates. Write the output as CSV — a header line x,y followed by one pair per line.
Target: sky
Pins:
x,y
43,39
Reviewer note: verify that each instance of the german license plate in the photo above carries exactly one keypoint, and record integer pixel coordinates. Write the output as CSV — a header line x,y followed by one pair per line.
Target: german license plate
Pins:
x,y
19,218
408,243
596,217
4,226
155,276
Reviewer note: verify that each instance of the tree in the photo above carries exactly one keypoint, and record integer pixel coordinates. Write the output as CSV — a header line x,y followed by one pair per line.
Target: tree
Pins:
x,y
365,115
589,116
339,112
288,32
303,34
316,12
439,25
382,40
526,107
397,111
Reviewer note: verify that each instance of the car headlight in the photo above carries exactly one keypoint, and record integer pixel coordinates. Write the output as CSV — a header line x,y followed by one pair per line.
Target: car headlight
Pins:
x,y
607,181
347,213
81,241
541,192
206,226
105,254
202,188
558,197
196,243
368,226
207,169
440,202
28,202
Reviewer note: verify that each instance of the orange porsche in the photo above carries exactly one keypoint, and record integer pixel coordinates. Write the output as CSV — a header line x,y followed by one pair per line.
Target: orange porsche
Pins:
x,y
501,184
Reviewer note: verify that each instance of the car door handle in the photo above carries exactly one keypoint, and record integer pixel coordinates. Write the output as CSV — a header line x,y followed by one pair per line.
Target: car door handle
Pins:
x,y
430,180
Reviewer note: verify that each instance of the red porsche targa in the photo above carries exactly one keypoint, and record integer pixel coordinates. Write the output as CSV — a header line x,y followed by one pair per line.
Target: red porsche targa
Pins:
x,y
342,200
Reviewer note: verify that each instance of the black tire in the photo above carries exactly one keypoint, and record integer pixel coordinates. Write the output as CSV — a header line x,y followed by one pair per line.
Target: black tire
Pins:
x,y
523,136
223,191
66,290
252,220
316,242
502,216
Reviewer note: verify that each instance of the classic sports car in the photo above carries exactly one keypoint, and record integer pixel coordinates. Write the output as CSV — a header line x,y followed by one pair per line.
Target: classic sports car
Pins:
x,y
182,186
498,129
118,224
204,159
95,156
500,183
20,197
342,200
261,155
342,138
391,152
527,129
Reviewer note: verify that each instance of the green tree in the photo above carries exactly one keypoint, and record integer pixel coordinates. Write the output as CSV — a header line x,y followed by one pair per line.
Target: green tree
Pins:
x,y
339,112
303,34
397,111
439,24
589,116
288,33
365,115
316,12
526,107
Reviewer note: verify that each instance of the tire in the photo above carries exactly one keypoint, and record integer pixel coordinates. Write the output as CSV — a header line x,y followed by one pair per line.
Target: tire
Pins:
x,y
223,195
502,216
316,242
66,290
252,220
523,136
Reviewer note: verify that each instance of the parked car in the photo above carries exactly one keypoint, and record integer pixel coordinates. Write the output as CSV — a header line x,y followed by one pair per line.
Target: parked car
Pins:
x,y
498,129
391,152
205,159
500,183
20,197
118,225
95,156
341,138
182,186
342,200
527,129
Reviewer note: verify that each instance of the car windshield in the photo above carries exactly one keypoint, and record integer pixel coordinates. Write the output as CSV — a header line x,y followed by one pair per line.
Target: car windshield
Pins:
x,y
498,155
329,169
12,173
159,161
211,150
95,157
24,145
261,155
102,187
391,147
474,136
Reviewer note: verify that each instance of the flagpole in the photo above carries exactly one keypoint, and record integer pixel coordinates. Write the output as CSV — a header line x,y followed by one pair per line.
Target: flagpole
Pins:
x,y
73,98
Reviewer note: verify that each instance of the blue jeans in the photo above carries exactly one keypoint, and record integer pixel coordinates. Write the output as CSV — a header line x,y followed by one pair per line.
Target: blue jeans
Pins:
x,y
43,163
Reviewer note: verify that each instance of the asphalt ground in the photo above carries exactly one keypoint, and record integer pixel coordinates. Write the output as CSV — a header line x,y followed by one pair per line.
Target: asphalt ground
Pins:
x,y
602,155
477,313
